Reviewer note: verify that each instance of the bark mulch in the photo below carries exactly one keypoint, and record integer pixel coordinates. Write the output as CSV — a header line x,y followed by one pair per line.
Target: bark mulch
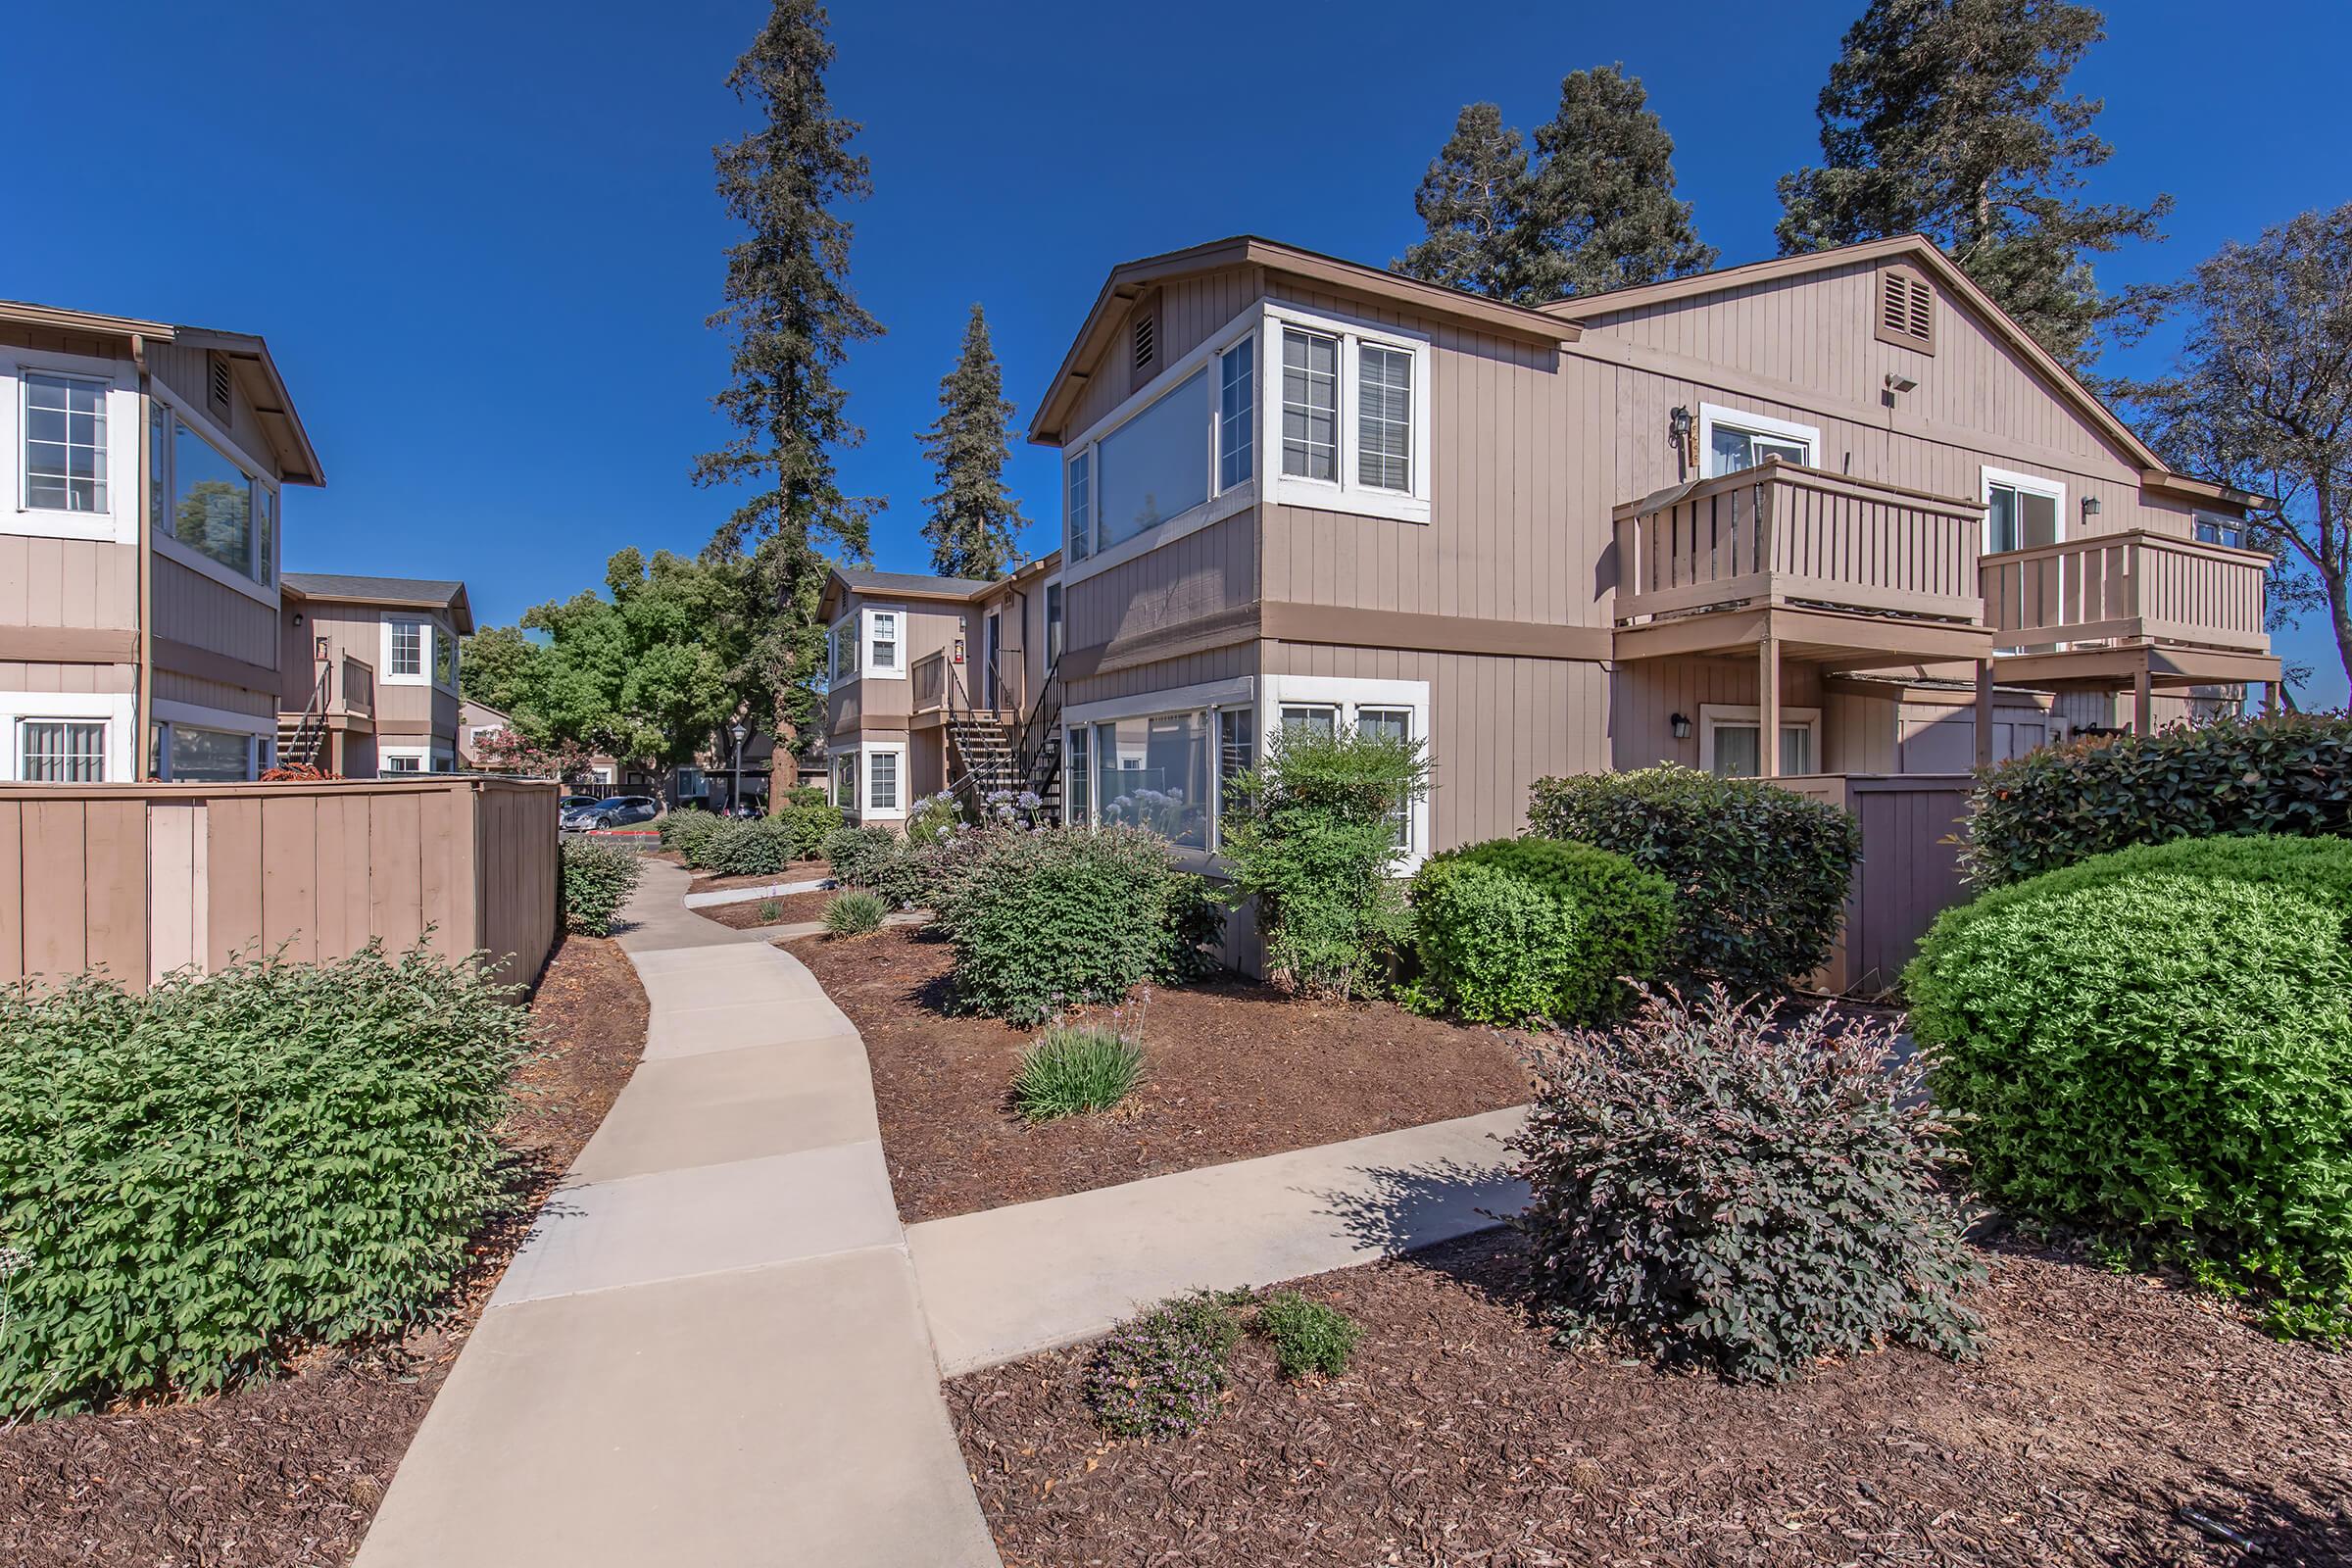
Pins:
x,y
796,871
1232,1069
290,1471
2113,1419
791,909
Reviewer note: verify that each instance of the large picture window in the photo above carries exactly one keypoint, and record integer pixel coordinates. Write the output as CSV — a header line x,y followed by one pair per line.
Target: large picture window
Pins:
x,y
208,502
65,443
1155,466
1154,773
210,756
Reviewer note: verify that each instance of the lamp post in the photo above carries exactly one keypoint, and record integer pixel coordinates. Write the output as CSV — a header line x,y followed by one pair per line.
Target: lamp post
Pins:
x,y
735,790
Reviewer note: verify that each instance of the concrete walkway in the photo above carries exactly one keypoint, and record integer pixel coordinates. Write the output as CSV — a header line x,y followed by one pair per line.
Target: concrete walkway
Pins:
x,y
1008,1282
710,1349
773,889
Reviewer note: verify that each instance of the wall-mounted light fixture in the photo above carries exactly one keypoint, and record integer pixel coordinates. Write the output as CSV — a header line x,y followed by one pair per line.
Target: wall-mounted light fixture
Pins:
x,y
1679,723
1896,381
1683,430
2091,506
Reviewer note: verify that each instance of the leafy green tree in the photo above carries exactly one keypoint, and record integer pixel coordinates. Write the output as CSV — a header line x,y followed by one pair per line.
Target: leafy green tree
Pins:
x,y
1952,118
1593,208
793,317
975,523
2261,400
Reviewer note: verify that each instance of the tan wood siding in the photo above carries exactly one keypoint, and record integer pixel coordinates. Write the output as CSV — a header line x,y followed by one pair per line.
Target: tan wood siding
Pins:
x,y
1187,670
186,371
172,686
192,609
1190,311
1650,691
108,679
1208,571
67,582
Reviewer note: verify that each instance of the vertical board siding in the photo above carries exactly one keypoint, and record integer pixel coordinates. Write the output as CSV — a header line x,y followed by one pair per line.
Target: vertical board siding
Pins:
x,y
141,880
192,609
79,583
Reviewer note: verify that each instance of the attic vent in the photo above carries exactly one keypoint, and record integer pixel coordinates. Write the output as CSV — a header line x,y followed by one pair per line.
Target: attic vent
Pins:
x,y
217,387
1906,310
1146,333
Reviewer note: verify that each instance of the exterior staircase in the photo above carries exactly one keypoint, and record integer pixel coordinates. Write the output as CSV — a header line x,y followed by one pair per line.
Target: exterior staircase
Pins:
x,y
984,754
302,737
987,755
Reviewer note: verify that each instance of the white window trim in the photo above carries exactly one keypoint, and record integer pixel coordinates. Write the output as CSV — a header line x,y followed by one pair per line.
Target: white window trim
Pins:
x,y
835,676
1220,504
1713,715
1350,695
1208,699
432,654
1711,415
196,561
119,523
424,651
1348,493
866,752
2031,484
112,709
866,642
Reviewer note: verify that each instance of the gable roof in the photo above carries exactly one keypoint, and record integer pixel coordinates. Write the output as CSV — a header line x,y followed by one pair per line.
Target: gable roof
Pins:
x,y
1929,257
424,593
1129,279
266,388
910,582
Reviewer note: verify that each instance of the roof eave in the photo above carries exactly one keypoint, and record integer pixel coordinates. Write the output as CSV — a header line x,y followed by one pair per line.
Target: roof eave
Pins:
x,y
247,346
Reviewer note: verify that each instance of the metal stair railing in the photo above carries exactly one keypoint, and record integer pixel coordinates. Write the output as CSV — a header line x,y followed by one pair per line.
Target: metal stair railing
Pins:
x,y
311,733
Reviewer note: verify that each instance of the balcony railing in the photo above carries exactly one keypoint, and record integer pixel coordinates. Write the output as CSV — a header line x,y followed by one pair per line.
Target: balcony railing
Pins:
x,y
930,677
355,692
1781,534
2134,587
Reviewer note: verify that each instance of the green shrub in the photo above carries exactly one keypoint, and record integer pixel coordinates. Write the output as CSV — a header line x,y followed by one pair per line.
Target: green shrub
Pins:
x,y
2291,774
854,913
809,824
856,854
1161,1375
1759,873
759,845
1515,929
1309,834
686,822
210,1175
934,818
807,795
599,876
1307,1336
2161,1051
1065,916
1073,1068
1743,1196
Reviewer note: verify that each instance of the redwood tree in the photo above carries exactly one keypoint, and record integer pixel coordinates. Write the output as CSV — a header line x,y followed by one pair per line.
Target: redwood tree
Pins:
x,y
975,523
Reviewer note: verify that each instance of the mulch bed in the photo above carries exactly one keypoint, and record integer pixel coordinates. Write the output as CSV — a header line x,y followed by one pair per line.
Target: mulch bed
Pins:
x,y
290,1471
1232,1069
791,909
2112,1419
796,871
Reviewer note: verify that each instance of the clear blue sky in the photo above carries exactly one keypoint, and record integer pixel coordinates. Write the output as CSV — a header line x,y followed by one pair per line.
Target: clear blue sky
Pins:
x,y
481,237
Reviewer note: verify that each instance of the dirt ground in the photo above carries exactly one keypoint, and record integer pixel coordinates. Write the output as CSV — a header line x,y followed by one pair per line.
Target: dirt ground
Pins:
x,y
1232,1069
2113,1419
791,909
290,1471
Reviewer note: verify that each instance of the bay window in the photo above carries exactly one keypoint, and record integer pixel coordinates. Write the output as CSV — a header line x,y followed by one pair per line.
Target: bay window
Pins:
x,y
206,502
1081,508
1154,465
445,657
1237,414
1077,778
845,653
1154,773
1237,753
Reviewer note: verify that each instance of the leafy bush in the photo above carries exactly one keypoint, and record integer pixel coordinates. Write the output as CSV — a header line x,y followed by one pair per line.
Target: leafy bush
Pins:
x,y
687,822
759,845
1312,838
208,1176
1307,1336
1515,929
809,824
1759,873
856,854
854,913
1073,1068
1064,916
2290,774
933,817
599,876
1159,1375
2158,1045
1742,1196
807,795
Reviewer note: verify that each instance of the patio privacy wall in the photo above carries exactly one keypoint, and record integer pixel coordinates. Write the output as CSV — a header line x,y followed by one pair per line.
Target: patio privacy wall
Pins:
x,y
1909,873
142,879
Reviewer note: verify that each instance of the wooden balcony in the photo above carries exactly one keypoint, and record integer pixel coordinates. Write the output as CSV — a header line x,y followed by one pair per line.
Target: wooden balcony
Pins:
x,y
929,675
2134,587
1842,569
354,691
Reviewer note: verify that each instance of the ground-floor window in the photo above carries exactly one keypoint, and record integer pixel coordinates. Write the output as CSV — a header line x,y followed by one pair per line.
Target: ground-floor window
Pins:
x,y
1153,772
61,750
401,763
193,752
1729,740
882,781
1328,703
870,782
1077,776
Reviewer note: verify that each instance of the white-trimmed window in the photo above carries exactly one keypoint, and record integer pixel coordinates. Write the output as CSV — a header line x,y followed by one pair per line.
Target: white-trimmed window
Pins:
x,y
883,786
1237,753
1729,736
1154,465
404,650
1398,724
2216,528
1079,513
209,504
61,750
882,643
210,756
1077,776
2022,511
1237,414
844,780
1354,420
65,442
1367,707
845,650
445,656
1732,439
400,762
1310,404
1384,417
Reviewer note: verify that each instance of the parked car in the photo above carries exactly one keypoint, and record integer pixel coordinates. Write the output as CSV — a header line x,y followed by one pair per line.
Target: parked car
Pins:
x,y
614,811
565,805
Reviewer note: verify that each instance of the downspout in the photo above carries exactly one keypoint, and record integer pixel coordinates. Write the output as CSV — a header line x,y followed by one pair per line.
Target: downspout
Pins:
x,y
143,678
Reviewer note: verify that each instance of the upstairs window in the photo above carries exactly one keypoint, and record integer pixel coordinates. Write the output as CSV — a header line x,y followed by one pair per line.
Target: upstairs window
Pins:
x,y
1310,405
845,650
2022,511
1735,439
1154,467
1081,506
2215,529
407,649
1906,315
65,443
215,507
1237,414
1384,417
445,657
882,642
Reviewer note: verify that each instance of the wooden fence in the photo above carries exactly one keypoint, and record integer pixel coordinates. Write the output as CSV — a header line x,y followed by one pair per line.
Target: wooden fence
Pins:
x,y
1909,873
142,879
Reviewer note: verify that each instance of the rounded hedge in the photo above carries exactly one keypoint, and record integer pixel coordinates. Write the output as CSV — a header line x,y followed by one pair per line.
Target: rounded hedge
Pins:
x,y
2158,1045
1759,872
1515,929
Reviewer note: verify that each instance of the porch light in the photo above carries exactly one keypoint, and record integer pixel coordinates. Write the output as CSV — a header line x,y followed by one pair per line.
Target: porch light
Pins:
x,y
1681,725
2091,506
1896,381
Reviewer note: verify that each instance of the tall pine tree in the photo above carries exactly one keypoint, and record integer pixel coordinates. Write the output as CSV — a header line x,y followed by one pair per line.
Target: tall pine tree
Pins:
x,y
1592,207
793,317
975,523
1952,118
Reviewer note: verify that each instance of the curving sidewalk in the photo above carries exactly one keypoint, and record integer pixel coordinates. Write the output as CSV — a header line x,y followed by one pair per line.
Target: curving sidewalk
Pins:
x,y
711,1348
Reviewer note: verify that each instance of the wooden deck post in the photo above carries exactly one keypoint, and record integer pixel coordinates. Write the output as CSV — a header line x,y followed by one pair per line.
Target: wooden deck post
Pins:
x,y
2143,701
1984,713
1767,706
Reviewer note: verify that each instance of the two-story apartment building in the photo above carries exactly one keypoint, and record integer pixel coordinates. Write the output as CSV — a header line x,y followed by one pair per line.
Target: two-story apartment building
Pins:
x,y
370,674
140,542
1833,514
